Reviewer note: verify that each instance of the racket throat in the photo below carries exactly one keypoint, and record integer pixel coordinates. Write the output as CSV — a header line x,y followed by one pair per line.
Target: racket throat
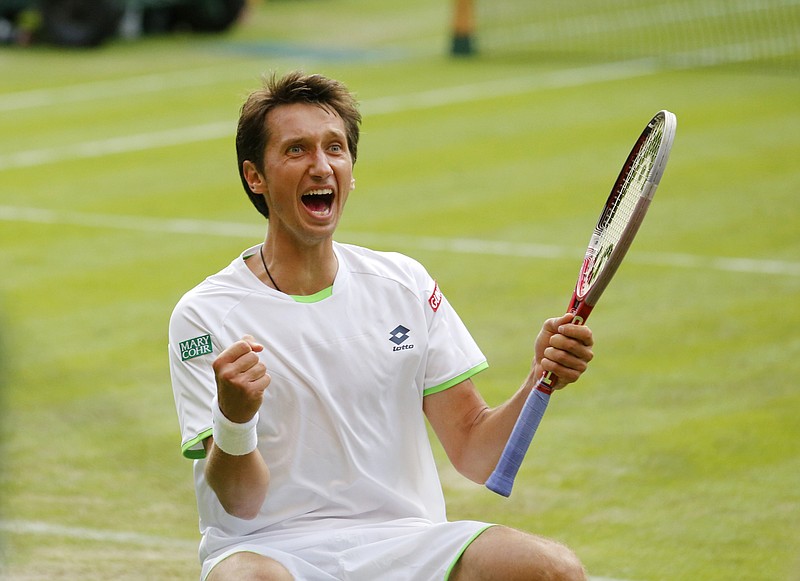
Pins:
x,y
574,303
580,309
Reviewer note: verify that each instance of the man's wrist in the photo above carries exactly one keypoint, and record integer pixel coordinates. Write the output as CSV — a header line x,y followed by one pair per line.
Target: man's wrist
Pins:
x,y
233,438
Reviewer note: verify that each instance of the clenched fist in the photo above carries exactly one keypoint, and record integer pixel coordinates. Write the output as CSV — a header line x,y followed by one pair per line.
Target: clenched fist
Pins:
x,y
241,379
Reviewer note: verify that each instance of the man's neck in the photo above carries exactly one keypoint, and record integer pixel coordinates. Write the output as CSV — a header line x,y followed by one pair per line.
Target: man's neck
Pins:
x,y
300,271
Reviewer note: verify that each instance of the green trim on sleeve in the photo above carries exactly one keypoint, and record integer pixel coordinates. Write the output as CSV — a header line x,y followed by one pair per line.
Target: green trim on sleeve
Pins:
x,y
456,380
188,449
464,548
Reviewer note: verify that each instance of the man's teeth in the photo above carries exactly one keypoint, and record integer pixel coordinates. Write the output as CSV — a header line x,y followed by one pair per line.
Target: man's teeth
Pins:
x,y
319,201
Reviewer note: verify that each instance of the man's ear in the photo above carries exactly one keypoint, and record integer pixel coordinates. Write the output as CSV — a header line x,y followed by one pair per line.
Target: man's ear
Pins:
x,y
256,181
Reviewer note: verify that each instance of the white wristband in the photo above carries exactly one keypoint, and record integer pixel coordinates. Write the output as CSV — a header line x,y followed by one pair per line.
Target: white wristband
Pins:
x,y
231,437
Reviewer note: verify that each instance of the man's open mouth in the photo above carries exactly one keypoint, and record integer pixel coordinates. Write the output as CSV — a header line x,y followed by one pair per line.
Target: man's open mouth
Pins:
x,y
318,201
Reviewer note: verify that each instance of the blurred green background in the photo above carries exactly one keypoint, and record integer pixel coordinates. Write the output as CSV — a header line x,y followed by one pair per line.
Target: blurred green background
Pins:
x,y
675,458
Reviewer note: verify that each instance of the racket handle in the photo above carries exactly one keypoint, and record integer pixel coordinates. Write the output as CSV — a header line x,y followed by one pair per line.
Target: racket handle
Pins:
x,y
502,479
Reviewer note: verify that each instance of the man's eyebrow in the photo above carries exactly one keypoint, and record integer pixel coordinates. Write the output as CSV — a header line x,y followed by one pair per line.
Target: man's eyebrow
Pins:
x,y
330,134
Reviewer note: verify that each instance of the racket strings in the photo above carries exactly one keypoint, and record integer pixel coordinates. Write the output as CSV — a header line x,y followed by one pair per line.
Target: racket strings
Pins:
x,y
630,188
622,204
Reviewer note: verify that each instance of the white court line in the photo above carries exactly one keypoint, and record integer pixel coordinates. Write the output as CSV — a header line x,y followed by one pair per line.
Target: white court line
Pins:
x,y
124,144
559,79
125,87
250,231
86,534
379,106
22,527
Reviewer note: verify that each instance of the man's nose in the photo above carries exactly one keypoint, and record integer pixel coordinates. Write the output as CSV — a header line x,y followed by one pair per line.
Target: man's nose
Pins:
x,y
320,165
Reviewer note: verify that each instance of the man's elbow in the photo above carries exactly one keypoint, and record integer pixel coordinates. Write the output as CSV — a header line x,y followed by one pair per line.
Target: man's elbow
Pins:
x,y
470,463
240,499
241,510
474,471
245,505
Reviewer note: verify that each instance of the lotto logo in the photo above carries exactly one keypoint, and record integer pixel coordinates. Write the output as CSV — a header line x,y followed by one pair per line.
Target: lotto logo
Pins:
x,y
398,336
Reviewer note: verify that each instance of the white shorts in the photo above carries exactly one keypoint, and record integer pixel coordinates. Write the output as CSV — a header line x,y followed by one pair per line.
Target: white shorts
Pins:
x,y
406,550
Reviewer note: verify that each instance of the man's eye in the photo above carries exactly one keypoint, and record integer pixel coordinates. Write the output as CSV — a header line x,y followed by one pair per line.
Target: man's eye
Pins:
x,y
295,149
336,148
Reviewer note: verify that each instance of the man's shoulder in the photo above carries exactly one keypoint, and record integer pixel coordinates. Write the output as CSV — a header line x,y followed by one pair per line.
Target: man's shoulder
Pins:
x,y
214,291
395,265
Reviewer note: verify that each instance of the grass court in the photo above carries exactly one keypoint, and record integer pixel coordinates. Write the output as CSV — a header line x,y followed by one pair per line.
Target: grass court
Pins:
x,y
677,456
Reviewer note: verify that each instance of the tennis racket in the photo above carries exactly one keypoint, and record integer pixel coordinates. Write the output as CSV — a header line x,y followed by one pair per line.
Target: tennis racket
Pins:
x,y
619,221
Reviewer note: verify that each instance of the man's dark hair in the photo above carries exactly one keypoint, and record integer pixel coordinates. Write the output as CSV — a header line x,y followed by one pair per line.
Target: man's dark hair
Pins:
x,y
252,132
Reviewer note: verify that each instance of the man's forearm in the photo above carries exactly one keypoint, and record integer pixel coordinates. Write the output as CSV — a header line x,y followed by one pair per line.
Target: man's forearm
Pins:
x,y
240,482
489,435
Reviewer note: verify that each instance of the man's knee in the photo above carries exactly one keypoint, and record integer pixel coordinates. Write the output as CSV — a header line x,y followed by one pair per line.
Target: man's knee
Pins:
x,y
505,553
565,564
249,567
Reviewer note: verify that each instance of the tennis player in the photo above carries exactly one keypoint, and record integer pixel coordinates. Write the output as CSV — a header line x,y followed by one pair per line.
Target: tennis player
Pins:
x,y
304,371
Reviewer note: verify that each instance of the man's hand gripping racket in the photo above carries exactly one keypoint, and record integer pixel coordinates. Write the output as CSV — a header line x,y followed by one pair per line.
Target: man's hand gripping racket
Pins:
x,y
619,221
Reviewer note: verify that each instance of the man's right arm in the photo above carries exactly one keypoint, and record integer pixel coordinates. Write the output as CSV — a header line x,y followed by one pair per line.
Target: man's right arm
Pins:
x,y
240,480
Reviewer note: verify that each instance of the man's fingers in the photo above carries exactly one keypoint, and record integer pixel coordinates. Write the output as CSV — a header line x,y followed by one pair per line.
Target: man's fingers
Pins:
x,y
241,379
580,333
580,346
235,351
244,369
254,345
232,353
255,374
567,360
566,350
551,325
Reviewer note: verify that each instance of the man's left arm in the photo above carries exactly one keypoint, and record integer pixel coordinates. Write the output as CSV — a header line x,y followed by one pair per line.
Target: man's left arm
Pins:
x,y
473,434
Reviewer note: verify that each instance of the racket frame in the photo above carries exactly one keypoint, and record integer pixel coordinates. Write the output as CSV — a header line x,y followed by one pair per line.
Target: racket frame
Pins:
x,y
585,296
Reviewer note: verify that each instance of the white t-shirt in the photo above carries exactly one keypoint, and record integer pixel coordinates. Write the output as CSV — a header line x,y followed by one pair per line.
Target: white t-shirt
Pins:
x,y
341,426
